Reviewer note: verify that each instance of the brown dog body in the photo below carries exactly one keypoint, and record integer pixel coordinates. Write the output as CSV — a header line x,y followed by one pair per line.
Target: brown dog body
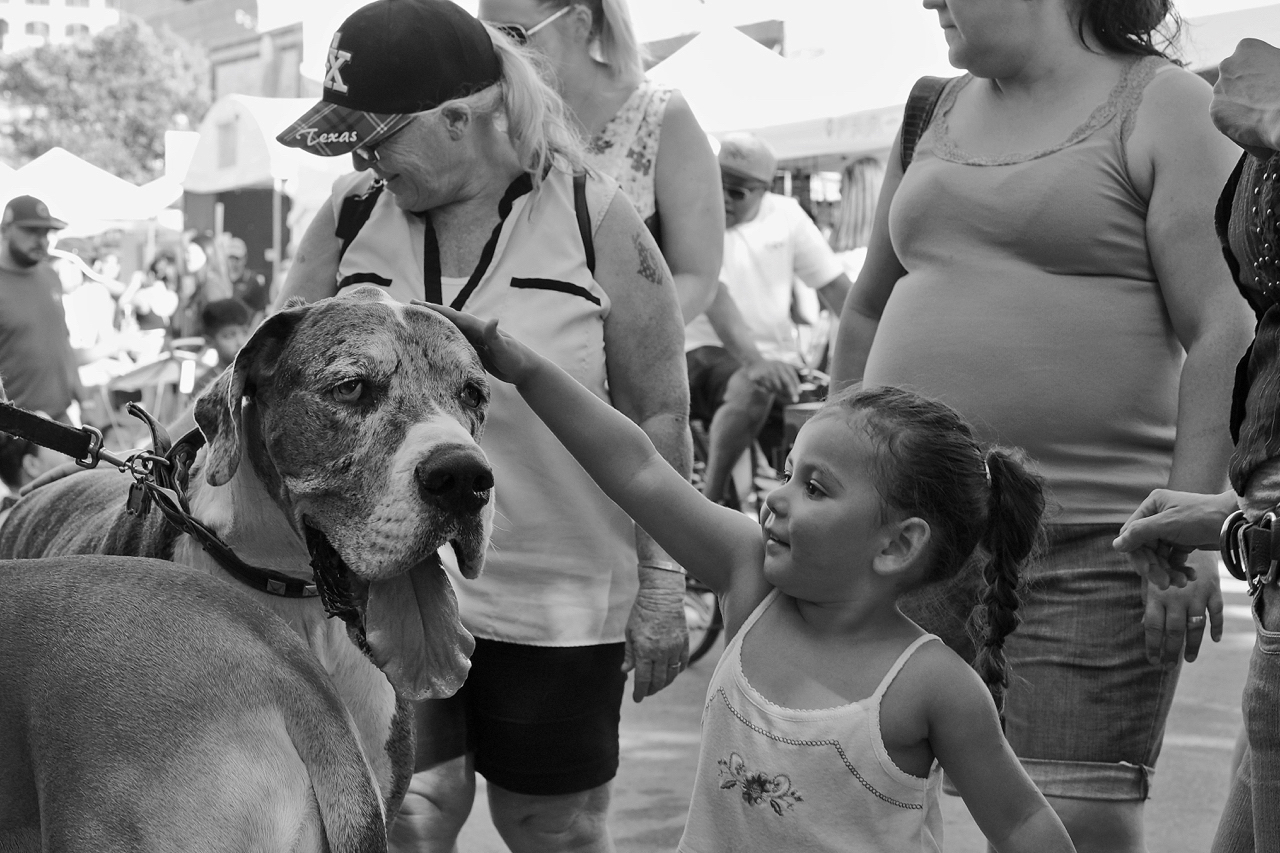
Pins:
x,y
353,422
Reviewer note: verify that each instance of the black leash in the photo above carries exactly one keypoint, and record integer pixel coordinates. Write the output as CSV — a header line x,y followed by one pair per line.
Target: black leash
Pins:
x,y
160,478
83,444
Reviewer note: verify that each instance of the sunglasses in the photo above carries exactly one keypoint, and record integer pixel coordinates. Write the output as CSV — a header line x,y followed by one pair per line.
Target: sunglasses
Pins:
x,y
738,193
369,153
520,34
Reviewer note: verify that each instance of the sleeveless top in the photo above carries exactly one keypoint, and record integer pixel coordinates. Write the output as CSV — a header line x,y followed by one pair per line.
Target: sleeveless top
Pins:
x,y
626,149
560,569
1031,305
775,778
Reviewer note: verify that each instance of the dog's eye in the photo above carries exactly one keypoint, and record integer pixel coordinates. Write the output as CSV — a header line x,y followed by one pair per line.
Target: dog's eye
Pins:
x,y
349,391
472,395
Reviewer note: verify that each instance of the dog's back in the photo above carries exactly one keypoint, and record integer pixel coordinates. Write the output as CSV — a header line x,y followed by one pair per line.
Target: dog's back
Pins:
x,y
146,706
83,513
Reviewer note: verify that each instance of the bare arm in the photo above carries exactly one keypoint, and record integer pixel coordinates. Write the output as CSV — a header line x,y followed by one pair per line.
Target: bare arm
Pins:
x,y
865,303
964,732
690,206
314,272
774,376
1180,162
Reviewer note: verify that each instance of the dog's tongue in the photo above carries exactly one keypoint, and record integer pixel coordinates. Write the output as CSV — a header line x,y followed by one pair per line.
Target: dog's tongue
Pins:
x,y
413,629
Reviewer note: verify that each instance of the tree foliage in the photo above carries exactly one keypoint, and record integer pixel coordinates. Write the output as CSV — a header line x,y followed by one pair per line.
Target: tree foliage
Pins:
x,y
108,100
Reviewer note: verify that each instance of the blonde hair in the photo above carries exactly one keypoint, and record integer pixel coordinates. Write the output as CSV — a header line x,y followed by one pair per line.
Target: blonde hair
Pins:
x,y
531,113
613,34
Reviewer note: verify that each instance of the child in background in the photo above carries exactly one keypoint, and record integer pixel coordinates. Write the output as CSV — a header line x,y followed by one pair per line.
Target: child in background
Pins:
x,y
830,712
226,324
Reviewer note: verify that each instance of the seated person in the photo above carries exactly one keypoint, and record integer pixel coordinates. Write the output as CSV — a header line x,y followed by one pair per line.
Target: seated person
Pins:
x,y
742,354
227,324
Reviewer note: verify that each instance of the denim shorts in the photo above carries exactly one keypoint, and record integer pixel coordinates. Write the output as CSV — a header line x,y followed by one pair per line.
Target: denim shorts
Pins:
x,y
1249,823
1085,709
539,720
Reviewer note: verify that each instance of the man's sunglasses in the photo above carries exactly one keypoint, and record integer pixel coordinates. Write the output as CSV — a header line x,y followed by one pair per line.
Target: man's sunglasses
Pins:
x,y
520,34
738,193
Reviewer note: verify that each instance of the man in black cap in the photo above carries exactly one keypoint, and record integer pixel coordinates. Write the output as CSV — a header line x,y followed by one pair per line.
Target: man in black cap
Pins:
x,y
36,359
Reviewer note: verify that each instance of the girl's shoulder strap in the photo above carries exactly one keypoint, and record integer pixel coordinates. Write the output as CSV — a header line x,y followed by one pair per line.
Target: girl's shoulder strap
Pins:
x,y
900,663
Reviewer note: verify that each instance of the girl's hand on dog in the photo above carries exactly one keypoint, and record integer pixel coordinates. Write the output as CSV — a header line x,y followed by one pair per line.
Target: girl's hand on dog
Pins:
x,y
502,355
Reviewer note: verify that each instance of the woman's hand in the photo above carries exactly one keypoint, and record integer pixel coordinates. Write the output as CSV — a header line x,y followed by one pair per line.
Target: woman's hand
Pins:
x,y
1175,618
1167,527
502,355
1246,99
657,632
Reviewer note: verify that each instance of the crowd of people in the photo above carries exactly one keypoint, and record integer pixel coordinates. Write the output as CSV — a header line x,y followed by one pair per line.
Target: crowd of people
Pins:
x,y
989,553
74,328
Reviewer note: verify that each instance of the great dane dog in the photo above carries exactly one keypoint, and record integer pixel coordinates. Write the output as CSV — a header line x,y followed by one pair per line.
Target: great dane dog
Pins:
x,y
343,441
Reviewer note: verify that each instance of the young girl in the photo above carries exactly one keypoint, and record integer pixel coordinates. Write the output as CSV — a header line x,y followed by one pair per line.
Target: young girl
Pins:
x,y
830,712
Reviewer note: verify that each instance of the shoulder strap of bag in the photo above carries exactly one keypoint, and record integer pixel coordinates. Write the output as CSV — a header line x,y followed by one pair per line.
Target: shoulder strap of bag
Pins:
x,y
584,219
918,113
354,213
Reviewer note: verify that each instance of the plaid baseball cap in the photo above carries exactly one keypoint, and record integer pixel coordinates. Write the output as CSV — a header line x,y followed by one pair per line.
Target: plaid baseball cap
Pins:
x,y
746,155
388,61
29,212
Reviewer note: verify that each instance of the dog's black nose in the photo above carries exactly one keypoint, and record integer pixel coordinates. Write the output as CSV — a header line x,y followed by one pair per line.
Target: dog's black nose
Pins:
x,y
455,479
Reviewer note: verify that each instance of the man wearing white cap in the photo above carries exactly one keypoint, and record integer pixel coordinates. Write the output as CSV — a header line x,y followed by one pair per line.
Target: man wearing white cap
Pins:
x,y
36,359
740,361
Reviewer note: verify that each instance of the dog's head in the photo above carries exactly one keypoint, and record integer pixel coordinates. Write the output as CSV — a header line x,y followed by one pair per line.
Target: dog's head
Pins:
x,y
360,417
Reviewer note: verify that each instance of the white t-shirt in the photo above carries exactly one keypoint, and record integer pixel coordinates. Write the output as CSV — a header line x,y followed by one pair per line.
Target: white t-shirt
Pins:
x,y
761,260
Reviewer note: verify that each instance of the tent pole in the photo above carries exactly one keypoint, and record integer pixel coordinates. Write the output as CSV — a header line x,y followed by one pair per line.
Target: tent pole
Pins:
x,y
277,235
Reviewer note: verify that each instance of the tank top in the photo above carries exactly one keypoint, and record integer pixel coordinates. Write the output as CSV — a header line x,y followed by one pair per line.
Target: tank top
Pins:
x,y
560,569
775,778
626,149
1031,305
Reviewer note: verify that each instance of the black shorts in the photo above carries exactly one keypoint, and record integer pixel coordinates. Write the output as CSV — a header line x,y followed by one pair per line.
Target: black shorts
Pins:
x,y
710,369
540,720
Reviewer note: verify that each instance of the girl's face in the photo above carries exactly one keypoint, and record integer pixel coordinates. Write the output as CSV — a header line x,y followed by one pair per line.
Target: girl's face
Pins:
x,y
823,526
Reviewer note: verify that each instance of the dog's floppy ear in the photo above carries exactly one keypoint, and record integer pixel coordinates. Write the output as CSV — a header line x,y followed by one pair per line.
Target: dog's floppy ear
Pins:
x,y
218,409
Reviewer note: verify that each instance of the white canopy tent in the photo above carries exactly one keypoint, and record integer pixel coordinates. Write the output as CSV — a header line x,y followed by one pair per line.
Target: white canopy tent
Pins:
x,y
237,149
90,199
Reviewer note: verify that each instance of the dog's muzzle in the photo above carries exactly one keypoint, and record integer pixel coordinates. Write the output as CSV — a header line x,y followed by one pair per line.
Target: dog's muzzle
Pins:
x,y
455,479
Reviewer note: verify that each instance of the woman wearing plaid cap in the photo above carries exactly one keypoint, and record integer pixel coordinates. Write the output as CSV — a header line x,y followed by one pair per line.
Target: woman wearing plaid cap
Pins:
x,y
469,190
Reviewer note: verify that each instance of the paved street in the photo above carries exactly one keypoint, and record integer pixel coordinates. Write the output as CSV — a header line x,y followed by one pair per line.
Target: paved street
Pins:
x,y
660,745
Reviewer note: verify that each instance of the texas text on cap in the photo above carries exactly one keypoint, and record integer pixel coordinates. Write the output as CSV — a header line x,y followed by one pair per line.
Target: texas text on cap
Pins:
x,y
29,212
747,156
389,60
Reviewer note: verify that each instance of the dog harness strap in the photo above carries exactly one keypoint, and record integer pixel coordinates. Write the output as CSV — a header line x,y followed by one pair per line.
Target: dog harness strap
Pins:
x,y
46,432
263,580
518,187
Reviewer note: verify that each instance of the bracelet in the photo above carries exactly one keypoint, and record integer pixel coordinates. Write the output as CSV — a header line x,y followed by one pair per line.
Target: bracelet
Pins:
x,y
662,566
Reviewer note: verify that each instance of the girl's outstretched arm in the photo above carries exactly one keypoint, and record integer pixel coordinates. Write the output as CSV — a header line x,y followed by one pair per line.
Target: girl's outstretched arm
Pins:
x,y
965,734
710,541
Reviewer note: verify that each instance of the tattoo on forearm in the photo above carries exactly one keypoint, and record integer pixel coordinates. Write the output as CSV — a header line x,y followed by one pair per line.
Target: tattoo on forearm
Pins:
x,y
650,263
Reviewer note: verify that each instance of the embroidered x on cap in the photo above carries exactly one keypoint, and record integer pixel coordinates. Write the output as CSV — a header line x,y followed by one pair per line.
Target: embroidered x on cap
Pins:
x,y
390,60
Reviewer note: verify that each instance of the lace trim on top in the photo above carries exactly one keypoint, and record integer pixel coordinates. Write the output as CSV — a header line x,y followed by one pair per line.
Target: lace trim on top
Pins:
x,y
1123,101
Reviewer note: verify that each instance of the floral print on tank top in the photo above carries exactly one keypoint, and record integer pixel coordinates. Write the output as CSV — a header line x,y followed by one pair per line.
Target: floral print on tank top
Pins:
x,y
626,149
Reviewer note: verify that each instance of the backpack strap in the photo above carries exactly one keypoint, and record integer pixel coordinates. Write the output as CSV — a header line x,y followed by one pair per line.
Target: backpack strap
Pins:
x,y
918,113
584,219
354,213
